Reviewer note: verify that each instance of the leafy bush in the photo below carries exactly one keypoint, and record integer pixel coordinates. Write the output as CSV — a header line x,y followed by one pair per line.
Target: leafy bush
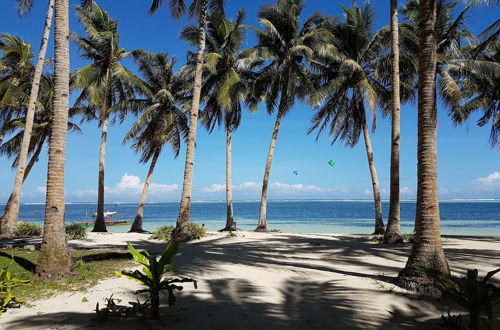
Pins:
x,y
28,229
163,233
408,238
231,234
75,231
196,231
7,283
475,295
152,275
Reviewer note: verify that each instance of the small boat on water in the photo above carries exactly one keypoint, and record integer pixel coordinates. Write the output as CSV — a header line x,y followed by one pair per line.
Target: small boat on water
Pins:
x,y
107,220
108,223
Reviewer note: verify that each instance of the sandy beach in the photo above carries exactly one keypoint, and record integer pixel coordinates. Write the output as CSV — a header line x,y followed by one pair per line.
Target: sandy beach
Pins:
x,y
268,281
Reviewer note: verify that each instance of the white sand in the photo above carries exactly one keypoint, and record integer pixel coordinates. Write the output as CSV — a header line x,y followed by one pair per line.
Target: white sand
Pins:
x,y
268,281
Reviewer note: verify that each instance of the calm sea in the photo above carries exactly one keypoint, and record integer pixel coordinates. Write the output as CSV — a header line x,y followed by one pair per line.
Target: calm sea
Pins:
x,y
478,217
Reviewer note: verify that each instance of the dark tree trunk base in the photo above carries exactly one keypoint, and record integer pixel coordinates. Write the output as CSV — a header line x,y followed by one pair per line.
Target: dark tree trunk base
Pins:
x,y
55,274
229,229
413,280
99,230
379,231
179,235
393,238
138,230
262,229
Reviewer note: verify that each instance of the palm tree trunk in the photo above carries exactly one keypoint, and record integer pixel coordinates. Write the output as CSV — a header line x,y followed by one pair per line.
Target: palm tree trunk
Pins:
x,y
27,171
9,219
230,224
54,260
262,224
379,222
427,248
137,225
180,232
393,232
100,223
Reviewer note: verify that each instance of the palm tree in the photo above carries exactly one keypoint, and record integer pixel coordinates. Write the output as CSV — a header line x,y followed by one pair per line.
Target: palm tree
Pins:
x,y
55,260
40,133
104,83
199,10
16,69
476,72
427,248
224,86
162,121
347,71
9,218
284,48
393,231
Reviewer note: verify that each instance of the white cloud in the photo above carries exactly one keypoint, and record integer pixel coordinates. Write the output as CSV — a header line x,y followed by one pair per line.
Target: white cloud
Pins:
x,y
405,191
490,182
214,187
129,186
284,188
247,186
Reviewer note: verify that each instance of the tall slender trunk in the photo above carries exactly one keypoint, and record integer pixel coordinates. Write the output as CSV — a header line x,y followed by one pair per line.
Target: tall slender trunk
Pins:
x,y
181,230
137,225
262,224
230,224
9,219
427,249
379,222
55,259
393,232
28,170
100,223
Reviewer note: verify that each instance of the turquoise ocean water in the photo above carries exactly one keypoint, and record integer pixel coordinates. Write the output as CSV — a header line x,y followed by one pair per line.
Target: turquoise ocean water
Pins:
x,y
458,217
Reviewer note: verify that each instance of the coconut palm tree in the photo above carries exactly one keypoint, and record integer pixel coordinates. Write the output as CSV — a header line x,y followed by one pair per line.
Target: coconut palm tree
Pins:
x,y
284,48
477,73
199,9
55,260
427,248
9,218
162,120
393,231
40,132
224,86
104,82
347,71
16,69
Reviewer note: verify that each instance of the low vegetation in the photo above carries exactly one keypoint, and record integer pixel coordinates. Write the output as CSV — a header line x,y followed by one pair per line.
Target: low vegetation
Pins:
x,y
477,296
91,266
76,231
152,276
28,229
7,284
164,233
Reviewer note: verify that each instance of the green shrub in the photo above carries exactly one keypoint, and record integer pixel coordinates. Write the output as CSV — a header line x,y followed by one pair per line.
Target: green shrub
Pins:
x,y
408,238
196,231
28,229
152,276
475,295
162,233
76,231
7,283
231,234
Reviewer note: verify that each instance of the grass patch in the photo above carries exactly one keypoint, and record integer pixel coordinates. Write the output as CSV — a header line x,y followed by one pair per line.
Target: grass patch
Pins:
x,y
91,265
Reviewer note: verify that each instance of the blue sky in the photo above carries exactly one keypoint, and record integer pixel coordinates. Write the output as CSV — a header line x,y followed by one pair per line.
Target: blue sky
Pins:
x,y
468,167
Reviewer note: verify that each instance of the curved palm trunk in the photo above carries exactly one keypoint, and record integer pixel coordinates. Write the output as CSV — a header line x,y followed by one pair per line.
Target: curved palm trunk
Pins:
x,y
27,171
393,232
230,224
379,222
100,223
180,232
262,224
54,260
9,219
427,248
137,225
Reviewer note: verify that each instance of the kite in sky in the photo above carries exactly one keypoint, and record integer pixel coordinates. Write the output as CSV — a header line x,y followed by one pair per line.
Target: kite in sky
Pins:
x,y
295,172
331,163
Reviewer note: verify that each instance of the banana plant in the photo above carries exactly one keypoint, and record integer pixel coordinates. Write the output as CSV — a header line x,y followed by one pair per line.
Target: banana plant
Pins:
x,y
152,275
470,292
7,283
